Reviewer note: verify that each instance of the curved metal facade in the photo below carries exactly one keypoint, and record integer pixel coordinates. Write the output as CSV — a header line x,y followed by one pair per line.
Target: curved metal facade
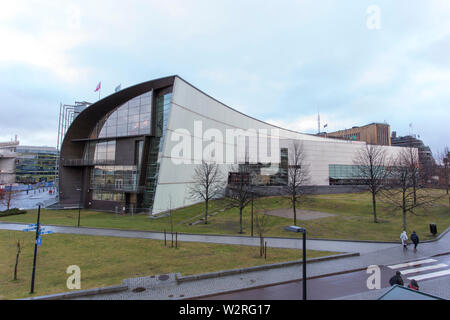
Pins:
x,y
141,170
78,170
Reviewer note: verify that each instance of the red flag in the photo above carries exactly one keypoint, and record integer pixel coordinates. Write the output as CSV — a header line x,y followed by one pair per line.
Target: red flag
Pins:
x,y
98,86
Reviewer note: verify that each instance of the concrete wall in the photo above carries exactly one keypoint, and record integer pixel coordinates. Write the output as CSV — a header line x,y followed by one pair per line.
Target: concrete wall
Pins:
x,y
7,170
279,190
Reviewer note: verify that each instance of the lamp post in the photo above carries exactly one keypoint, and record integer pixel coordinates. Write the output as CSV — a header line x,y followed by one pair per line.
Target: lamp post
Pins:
x,y
252,215
79,206
303,231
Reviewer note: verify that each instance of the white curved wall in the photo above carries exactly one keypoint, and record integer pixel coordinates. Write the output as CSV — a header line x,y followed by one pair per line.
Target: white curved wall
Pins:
x,y
190,105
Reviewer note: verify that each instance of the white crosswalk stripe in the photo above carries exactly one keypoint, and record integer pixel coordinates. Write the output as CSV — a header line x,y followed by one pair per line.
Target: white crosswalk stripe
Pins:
x,y
416,270
411,264
422,272
431,275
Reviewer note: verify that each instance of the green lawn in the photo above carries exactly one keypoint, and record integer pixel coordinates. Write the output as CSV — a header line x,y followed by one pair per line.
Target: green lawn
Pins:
x,y
353,219
107,261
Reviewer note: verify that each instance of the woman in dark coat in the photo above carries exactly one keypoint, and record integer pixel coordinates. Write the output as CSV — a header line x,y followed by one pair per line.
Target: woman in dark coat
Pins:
x,y
415,239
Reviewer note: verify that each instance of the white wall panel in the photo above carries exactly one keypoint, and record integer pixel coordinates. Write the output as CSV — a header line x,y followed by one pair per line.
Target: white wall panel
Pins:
x,y
190,105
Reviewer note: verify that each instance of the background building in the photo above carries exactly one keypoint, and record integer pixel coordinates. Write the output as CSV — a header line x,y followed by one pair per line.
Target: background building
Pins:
x,y
120,151
36,164
426,159
8,162
374,133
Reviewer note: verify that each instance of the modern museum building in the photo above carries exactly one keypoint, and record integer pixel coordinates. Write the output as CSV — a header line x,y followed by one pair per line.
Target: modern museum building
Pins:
x,y
138,148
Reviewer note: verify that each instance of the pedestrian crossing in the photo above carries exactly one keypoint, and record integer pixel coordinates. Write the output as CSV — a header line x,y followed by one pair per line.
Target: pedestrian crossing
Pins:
x,y
420,269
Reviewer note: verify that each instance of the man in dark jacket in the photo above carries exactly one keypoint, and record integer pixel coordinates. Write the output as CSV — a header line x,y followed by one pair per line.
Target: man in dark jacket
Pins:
x,y
415,239
397,279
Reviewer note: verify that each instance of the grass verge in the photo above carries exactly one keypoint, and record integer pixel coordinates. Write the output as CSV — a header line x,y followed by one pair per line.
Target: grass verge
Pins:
x,y
353,219
106,261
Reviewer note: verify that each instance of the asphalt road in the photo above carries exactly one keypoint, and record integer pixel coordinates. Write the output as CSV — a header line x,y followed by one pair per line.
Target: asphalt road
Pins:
x,y
342,285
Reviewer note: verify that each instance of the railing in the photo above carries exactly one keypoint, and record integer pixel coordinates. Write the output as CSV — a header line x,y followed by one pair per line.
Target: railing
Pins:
x,y
84,162
118,188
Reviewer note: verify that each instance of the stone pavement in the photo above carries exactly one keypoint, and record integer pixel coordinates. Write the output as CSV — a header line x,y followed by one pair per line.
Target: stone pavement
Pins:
x,y
31,200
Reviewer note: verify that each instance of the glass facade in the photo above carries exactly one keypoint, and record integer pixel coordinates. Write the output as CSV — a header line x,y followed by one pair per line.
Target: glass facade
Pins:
x,y
163,104
130,119
162,109
110,181
338,171
269,174
100,152
344,174
120,178
34,164
107,196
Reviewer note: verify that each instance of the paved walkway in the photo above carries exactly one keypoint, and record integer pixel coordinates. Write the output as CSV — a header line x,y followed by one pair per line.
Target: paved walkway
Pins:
x,y
31,200
293,243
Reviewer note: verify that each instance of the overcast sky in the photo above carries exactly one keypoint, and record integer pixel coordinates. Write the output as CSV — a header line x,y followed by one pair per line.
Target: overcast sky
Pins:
x,y
355,62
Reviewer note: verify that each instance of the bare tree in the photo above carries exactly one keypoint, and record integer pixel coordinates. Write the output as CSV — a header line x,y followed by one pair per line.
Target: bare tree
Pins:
x,y
371,164
298,175
402,191
239,190
7,198
261,222
444,163
208,184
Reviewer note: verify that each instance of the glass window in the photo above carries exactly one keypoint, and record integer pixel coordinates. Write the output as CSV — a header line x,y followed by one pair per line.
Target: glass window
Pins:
x,y
131,118
134,111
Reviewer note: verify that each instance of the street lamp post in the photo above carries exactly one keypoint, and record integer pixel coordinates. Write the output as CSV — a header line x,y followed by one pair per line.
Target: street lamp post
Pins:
x,y
79,207
303,231
252,215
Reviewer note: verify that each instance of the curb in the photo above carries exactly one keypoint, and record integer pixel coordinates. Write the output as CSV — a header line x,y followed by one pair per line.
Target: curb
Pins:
x,y
259,268
80,293
277,283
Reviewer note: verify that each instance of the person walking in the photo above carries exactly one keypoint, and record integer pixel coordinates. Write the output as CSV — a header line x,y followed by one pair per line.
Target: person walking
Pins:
x,y
415,239
413,285
397,279
404,238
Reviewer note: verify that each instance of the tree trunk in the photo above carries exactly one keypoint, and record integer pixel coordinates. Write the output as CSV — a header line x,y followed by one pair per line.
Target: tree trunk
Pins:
x,y
404,211
240,220
374,206
9,199
261,245
206,212
404,219
295,210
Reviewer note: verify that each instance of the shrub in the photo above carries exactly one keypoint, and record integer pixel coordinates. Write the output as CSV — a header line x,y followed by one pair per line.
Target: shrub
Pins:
x,y
12,212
